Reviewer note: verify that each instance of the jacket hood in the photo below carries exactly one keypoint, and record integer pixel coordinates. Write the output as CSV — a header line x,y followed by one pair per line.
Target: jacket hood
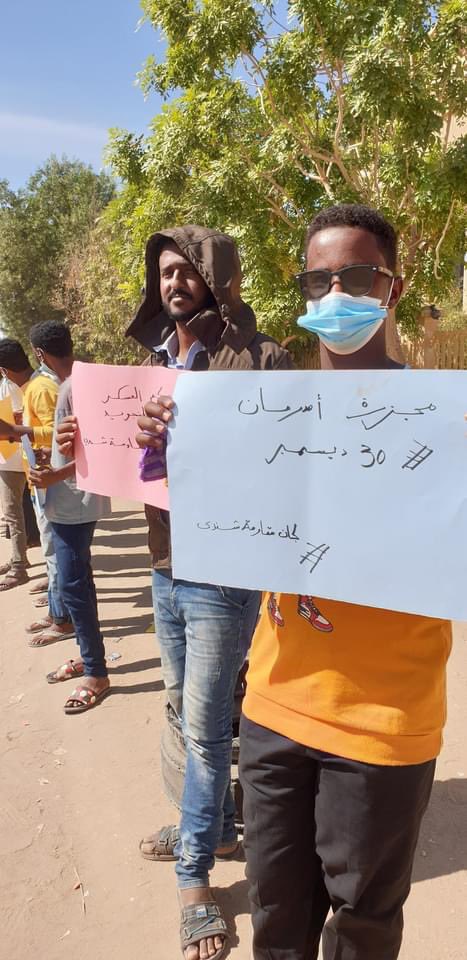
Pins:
x,y
214,255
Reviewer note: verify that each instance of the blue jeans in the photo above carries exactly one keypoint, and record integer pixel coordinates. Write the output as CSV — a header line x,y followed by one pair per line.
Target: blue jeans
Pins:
x,y
72,544
57,608
204,632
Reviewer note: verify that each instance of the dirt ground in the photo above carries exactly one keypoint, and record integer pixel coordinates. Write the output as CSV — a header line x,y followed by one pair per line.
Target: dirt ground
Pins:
x,y
78,792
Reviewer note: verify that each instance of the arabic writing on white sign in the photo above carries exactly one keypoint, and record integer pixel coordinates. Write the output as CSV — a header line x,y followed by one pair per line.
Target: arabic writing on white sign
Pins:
x,y
351,484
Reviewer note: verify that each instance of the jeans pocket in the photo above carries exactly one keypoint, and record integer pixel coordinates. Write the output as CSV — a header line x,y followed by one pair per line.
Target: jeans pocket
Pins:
x,y
235,596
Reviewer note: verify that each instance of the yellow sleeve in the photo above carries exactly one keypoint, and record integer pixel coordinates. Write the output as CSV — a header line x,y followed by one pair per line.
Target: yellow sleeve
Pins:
x,y
42,403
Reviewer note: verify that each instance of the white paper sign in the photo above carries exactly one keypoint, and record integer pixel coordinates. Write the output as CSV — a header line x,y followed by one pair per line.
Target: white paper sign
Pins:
x,y
347,485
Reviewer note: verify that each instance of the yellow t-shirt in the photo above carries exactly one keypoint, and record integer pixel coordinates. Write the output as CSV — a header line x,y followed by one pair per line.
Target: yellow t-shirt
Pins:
x,y
358,682
40,400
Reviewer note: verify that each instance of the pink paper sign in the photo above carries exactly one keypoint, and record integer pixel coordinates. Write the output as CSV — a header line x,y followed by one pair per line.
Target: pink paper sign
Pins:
x,y
107,400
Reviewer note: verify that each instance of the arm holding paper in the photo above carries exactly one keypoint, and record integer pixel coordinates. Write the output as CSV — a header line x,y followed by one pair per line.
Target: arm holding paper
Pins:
x,y
66,433
44,477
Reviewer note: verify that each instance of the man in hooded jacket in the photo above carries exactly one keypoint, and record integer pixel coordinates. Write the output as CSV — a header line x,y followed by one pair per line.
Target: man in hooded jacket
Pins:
x,y
193,318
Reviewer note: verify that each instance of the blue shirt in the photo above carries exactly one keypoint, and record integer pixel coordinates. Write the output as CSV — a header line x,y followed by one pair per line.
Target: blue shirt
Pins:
x,y
171,348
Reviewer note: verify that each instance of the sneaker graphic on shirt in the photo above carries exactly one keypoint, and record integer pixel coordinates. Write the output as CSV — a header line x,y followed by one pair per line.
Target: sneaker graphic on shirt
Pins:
x,y
309,611
274,612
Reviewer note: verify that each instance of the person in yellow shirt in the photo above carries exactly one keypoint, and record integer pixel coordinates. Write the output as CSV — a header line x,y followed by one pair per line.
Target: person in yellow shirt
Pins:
x,y
51,342
15,371
345,704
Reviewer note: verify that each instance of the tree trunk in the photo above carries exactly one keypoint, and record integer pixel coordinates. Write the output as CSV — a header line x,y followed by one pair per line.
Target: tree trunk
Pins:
x,y
393,343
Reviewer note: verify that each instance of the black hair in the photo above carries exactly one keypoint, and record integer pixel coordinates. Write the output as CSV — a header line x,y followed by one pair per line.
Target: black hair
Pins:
x,y
52,337
357,215
13,356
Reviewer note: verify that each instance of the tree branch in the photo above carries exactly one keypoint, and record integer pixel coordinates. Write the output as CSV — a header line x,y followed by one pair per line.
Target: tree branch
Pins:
x,y
441,240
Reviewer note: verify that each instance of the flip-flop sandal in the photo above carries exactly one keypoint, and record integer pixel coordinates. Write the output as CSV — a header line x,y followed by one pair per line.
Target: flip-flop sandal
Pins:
x,y
39,625
163,845
201,920
41,600
48,636
13,580
83,698
41,586
67,671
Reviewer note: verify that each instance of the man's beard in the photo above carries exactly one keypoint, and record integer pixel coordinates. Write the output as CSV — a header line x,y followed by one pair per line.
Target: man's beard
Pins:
x,y
179,316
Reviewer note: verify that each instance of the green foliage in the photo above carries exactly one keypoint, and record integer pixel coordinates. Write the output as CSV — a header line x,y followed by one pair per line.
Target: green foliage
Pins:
x,y
39,227
452,317
275,116
93,302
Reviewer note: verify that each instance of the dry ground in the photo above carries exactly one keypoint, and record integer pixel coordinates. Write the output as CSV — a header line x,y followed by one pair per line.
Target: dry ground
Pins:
x,y
78,792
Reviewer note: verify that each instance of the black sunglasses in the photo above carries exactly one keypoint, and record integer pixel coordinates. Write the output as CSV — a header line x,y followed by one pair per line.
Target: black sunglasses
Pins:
x,y
356,280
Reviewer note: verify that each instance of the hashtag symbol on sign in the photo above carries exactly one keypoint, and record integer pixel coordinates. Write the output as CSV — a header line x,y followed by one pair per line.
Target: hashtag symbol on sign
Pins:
x,y
416,457
314,555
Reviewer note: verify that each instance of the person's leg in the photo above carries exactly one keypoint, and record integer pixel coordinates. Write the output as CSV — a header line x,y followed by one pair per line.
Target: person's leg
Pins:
x,y
11,494
57,608
289,901
30,522
72,543
60,626
367,824
170,632
215,627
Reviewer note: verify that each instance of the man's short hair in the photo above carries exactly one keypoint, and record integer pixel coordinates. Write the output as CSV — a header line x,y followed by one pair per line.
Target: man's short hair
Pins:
x,y
52,337
357,215
13,356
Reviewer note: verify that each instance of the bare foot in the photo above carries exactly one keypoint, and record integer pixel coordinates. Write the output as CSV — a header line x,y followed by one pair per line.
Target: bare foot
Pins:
x,y
208,946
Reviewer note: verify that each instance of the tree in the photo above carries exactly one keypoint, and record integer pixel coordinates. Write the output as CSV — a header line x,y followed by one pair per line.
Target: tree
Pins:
x,y
39,226
287,108
93,303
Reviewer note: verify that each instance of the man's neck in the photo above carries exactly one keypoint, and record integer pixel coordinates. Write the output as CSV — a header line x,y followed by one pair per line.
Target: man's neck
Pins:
x,y
372,356
186,339
23,377
63,368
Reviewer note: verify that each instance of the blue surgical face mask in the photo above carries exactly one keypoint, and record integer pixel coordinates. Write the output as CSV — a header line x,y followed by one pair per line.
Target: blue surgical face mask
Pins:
x,y
46,371
342,322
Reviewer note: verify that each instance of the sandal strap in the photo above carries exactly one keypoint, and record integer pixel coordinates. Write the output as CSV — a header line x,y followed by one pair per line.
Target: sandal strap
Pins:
x,y
200,920
83,695
166,840
68,670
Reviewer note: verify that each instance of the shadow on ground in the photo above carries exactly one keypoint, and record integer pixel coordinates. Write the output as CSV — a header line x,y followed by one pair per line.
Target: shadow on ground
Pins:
x,y
137,666
125,626
233,902
442,848
120,562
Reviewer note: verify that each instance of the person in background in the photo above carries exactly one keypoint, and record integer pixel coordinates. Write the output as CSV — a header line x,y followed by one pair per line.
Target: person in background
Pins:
x,y
16,372
193,318
340,727
51,344
73,515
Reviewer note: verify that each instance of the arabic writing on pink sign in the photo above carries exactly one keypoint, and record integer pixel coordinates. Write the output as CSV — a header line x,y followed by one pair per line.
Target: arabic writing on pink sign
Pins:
x,y
107,400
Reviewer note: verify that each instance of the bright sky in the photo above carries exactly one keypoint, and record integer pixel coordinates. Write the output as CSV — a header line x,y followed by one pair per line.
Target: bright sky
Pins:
x,y
67,73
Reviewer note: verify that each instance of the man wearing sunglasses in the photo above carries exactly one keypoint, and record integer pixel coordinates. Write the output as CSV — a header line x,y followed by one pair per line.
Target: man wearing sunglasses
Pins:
x,y
341,726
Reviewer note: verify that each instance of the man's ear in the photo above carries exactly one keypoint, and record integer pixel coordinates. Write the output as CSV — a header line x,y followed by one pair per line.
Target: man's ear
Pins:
x,y
396,292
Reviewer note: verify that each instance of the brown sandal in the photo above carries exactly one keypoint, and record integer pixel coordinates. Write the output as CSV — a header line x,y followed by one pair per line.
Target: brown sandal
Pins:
x,y
163,845
67,671
201,920
83,698
13,579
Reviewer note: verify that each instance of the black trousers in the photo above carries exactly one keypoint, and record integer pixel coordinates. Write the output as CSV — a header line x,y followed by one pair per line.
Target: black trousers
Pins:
x,y
325,832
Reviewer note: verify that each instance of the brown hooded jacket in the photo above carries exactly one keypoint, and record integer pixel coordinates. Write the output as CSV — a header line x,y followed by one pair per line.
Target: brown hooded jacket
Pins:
x,y
227,329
